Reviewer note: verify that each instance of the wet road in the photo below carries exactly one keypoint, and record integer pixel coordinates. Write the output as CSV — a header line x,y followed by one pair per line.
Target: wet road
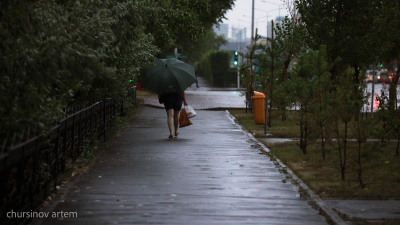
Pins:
x,y
378,89
210,174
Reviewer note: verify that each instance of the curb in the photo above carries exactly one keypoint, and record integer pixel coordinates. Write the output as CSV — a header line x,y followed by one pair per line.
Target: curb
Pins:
x,y
324,209
50,206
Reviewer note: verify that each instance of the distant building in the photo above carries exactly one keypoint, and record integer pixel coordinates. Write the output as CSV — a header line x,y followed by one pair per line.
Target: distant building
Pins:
x,y
222,29
238,40
233,46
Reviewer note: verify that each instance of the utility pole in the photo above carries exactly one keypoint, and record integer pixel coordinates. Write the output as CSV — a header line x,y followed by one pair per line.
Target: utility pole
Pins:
x,y
238,73
252,23
272,73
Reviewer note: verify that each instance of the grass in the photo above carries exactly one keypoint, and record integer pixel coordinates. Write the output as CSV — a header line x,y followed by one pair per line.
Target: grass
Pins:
x,y
279,129
381,168
381,172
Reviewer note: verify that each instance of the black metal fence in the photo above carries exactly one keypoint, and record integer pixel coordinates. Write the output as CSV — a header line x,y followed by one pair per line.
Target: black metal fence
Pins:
x,y
29,171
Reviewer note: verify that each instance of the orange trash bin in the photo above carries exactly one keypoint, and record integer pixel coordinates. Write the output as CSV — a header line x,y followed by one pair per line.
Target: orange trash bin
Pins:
x,y
259,110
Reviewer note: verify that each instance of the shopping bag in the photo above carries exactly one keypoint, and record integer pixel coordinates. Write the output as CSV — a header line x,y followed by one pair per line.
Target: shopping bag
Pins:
x,y
183,120
190,111
161,99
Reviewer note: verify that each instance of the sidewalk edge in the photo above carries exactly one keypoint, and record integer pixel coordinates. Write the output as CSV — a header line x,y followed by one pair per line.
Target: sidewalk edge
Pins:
x,y
324,208
50,206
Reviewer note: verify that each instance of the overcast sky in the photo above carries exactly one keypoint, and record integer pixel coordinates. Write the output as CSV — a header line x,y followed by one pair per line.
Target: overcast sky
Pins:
x,y
243,7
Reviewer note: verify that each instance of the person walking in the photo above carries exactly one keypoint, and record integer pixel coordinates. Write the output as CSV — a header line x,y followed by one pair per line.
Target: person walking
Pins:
x,y
173,106
169,78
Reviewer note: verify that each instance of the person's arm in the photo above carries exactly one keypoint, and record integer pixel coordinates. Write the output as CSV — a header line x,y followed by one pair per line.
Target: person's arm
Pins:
x,y
184,99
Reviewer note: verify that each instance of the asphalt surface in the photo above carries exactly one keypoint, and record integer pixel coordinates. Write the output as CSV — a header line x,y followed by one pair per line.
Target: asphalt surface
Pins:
x,y
220,100
207,97
212,173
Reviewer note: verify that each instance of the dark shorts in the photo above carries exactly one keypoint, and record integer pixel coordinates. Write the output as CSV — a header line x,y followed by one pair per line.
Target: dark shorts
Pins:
x,y
173,101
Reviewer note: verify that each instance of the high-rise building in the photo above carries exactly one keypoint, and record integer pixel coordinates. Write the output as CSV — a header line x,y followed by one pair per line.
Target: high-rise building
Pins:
x,y
221,29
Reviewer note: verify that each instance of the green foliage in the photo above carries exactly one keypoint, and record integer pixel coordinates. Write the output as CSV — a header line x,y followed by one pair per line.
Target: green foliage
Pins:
x,y
210,41
209,12
58,53
290,39
246,69
345,28
215,67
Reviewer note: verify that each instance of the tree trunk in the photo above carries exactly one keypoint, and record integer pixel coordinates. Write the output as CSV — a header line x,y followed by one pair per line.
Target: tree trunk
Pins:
x,y
301,132
334,70
356,90
392,91
344,152
397,149
305,137
284,73
284,78
359,165
322,141
359,156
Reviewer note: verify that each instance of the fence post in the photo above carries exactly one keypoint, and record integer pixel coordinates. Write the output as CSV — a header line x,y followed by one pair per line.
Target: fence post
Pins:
x,y
56,165
104,120
34,171
80,134
65,144
73,137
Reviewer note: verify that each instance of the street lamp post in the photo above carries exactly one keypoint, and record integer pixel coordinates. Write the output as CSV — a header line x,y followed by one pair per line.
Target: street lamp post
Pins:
x,y
252,23
256,20
268,17
274,4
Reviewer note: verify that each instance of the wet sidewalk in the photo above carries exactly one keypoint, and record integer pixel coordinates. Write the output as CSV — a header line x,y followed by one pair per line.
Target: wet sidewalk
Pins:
x,y
207,97
212,173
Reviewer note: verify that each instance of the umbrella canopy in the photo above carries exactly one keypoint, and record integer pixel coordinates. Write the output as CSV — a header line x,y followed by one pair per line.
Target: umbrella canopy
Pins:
x,y
165,76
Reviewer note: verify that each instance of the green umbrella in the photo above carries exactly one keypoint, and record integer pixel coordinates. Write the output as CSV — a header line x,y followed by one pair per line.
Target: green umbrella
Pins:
x,y
165,76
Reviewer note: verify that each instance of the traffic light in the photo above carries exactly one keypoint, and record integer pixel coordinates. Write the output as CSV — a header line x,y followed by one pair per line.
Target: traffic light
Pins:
x,y
236,58
380,64
132,80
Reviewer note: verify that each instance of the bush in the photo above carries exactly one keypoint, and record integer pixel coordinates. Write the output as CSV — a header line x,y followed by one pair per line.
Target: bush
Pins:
x,y
215,67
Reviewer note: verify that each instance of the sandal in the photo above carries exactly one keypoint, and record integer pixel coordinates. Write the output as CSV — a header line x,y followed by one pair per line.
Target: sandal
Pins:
x,y
176,134
171,136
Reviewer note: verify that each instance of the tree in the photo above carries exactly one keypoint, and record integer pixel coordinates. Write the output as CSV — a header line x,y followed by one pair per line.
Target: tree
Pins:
x,y
210,41
290,38
386,23
320,109
208,12
57,53
300,87
219,41
290,41
247,69
344,26
345,107
274,52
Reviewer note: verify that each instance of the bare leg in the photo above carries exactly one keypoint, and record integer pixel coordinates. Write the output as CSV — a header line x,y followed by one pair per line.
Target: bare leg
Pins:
x,y
170,120
176,122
